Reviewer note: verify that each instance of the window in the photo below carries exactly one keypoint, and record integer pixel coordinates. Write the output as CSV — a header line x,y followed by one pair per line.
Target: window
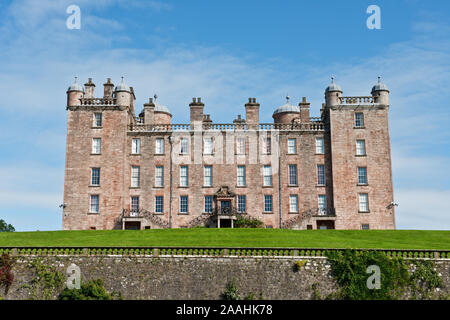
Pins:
x,y
159,204
208,145
159,147
134,204
94,205
207,176
184,146
359,119
268,203
365,227
362,175
184,204
360,147
320,174
322,204
293,175
267,176
241,176
184,176
95,176
319,146
363,202
292,146
135,176
208,204
240,145
96,145
97,119
136,146
242,199
293,203
267,145
159,176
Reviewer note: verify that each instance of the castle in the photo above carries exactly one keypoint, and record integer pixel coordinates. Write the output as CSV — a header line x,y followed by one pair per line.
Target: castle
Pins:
x,y
142,172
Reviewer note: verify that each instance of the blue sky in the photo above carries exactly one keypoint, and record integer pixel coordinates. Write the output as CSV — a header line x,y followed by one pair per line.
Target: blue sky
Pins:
x,y
224,52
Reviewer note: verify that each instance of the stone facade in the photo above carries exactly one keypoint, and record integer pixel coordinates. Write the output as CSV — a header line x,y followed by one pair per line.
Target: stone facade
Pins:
x,y
295,148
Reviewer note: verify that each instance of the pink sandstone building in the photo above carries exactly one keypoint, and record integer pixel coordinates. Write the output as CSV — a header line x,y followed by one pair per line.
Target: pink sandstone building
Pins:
x,y
141,171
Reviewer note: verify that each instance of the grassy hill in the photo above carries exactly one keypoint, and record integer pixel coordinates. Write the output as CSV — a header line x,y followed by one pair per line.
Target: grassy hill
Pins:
x,y
203,237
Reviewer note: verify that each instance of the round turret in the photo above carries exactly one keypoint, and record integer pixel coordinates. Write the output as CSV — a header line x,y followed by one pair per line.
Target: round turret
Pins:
x,y
332,93
123,94
286,113
75,93
381,92
162,114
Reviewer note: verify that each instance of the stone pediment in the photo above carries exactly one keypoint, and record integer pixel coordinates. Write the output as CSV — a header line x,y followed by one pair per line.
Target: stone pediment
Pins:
x,y
224,192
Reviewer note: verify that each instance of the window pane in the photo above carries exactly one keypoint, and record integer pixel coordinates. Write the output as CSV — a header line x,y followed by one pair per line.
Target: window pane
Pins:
x,y
293,203
268,203
359,119
267,176
134,204
159,204
362,175
363,202
322,201
208,146
292,147
242,203
97,119
240,148
360,147
136,146
96,145
184,145
183,204
267,145
207,176
241,175
293,174
94,203
135,176
321,174
319,146
159,176
184,176
95,176
159,146
208,203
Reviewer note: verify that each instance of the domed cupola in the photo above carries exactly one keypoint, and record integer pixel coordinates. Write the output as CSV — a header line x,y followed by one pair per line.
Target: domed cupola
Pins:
x,y
333,87
380,86
122,87
162,113
76,86
286,113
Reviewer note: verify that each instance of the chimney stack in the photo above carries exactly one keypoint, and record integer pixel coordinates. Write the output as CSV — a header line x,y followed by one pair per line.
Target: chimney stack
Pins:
x,y
252,113
108,89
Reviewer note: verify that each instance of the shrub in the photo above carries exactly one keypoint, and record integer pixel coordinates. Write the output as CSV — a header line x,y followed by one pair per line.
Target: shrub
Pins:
x,y
299,264
6,276
248,222
231,292
92,290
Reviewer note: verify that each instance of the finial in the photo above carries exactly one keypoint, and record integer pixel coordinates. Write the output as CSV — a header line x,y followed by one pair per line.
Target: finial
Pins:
x,y
287,98
122,79
155,96
379,79
332,79
76,79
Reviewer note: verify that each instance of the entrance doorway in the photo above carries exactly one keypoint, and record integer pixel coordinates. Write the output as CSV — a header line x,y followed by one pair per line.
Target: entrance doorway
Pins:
x,y
132,225
325,224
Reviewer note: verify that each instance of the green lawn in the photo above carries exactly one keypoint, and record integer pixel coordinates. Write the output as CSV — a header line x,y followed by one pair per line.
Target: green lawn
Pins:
x,y
387,239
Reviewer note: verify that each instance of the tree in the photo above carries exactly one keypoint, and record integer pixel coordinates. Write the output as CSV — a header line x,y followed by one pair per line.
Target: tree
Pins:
x,y
5,227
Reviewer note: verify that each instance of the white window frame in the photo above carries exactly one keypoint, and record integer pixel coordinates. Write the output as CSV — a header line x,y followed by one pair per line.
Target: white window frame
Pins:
x,y
210,204
240,145
94,205
96,145
181,204
159,176
267,176
360,147
267,145
208,145
242,202
134,204
159,145
321,174
362,170
96,120
293,203
207,176
293,175
363,202
240,180
162,204
184,146
322,204
360,120
135,176
92,176
135,146
184,176
267,203
320,148
292,146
